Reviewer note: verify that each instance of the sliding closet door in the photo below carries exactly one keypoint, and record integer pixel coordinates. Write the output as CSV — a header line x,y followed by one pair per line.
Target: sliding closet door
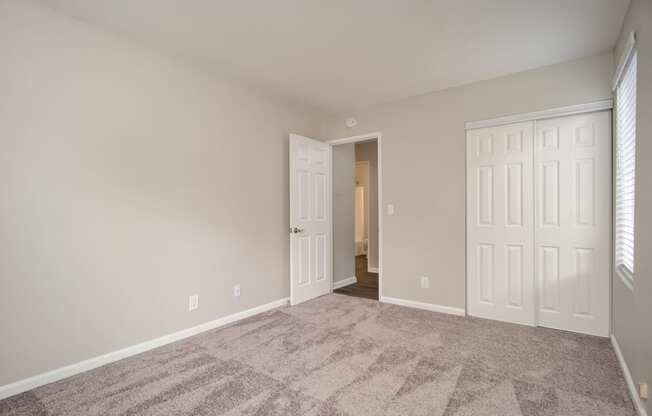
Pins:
x,y
573,222
500,223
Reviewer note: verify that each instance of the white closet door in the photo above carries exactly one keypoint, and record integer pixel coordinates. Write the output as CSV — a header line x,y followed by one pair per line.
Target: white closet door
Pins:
x,y
573,222
500,266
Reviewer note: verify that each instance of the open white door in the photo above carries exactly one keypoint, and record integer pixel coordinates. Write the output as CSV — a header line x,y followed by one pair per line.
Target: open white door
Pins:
x,y
310,218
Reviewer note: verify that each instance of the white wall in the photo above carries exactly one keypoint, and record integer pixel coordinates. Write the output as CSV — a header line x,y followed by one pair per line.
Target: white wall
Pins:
x,y
424,169
129,181
633,307
361,203
368,151
343,211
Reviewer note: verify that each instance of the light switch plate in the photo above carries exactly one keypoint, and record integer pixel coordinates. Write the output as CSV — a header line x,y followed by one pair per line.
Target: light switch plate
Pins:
x,y
425,282
193,302
390,209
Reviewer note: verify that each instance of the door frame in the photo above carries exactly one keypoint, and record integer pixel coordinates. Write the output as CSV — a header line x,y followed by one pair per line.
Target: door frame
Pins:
x,y
590,107
357,139
367,204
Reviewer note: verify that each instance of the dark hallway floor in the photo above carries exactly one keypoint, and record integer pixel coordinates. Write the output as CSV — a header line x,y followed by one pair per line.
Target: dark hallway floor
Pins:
x,y
367,285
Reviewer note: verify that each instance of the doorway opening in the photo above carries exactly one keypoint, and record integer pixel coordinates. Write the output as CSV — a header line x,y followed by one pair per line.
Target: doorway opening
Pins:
x,y
356,222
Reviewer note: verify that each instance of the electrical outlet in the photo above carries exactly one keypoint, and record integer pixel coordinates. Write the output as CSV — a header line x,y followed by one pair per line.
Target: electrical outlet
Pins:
x,y
642,391
236,291
193,302
425,282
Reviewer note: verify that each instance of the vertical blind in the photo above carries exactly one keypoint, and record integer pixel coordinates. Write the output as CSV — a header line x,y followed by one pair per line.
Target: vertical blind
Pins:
x,y
626,166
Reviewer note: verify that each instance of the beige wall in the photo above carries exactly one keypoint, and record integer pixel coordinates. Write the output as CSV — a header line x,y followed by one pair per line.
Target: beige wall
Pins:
x,y
129,181
343,211
423,167
368,151
633,308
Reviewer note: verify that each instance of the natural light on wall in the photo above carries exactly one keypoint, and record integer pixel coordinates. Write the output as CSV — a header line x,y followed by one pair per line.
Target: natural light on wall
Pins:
x,y
625,164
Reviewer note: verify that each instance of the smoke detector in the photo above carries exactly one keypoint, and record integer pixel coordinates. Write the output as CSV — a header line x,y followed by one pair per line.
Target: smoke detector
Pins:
x,y
351,122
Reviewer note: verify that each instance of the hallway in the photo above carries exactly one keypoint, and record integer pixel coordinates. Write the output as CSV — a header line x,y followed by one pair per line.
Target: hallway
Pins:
x,y
367,285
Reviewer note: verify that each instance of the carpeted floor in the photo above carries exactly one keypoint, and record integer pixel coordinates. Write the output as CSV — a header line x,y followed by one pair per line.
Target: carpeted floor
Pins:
x,y
340,355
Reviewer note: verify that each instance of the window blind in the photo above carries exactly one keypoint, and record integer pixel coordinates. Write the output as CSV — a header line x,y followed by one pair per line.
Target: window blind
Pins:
x,y
626,166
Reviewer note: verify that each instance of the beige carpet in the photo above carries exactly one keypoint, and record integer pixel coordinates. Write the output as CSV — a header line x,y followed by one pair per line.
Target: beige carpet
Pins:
x,y
339,355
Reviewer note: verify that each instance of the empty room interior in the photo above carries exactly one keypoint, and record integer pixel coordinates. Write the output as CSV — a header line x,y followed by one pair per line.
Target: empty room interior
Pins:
x,y
326,208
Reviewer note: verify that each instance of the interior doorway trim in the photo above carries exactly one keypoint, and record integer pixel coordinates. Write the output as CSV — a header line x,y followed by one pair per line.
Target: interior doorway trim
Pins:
x,y
542,115
363,138
367,211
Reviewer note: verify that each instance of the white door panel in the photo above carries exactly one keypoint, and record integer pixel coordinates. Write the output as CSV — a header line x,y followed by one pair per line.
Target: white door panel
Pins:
x,y
573,222
499,223
310,218
539,222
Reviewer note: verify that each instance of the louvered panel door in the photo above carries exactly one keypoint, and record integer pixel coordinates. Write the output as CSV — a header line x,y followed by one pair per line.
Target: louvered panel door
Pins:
x,y
573,222
500,279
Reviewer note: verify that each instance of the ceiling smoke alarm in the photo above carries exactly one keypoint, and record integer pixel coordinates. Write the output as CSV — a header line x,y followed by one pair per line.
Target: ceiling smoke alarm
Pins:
x,y
351,122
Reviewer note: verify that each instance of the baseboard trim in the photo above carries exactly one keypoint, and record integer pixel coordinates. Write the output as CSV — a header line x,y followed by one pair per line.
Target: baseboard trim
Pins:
x,y
633,391
422,305
348,281
38,380
373,269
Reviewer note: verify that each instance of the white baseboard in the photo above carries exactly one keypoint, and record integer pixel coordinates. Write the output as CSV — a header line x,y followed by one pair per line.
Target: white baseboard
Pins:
x,y
17,387
422,305
348,281
633,390
373,269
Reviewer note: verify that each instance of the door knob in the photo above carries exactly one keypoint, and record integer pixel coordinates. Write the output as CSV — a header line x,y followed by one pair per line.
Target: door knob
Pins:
x,y
296,230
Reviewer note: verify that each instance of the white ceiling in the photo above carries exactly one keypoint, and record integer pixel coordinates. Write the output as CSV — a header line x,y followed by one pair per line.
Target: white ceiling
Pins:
x,y
342,55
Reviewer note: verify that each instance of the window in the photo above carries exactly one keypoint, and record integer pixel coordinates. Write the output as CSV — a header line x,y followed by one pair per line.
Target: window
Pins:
x,y
625,166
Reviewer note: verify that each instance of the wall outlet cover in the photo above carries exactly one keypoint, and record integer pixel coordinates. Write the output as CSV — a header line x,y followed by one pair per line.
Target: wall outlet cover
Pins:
x,y
236,291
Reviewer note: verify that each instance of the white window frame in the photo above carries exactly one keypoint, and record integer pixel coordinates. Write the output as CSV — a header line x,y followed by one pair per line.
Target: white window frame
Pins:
x,y
625,274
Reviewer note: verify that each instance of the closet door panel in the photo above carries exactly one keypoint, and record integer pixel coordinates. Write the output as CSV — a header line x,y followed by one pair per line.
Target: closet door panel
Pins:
x,y
500,266
573,222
